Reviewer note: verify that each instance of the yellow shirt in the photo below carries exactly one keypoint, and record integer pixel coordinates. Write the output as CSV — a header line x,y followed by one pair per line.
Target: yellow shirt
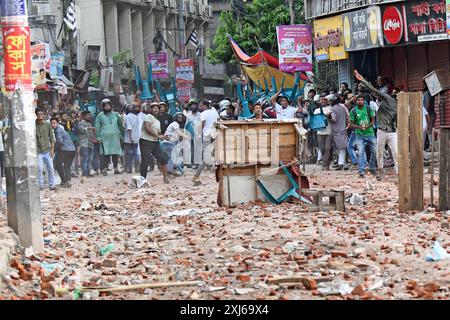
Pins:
x,y
154,124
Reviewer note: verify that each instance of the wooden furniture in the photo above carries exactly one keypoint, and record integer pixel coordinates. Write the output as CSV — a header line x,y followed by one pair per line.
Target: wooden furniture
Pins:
x,y
249,150
410,151
444,169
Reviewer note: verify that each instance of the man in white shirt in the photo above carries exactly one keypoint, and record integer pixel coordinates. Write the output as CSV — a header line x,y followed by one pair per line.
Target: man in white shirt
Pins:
x,y
208,119
175,142
132,135
324,137
281,104
425,120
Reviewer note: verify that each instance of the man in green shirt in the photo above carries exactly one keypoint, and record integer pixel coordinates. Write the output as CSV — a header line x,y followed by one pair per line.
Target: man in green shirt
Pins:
x,y
45,141
362,118
109,129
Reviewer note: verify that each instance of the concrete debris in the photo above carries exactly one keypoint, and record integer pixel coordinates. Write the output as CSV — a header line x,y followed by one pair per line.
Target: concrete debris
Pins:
x,y
129,243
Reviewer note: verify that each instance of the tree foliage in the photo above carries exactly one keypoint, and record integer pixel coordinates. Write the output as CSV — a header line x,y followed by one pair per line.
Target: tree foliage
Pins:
x,y
252,29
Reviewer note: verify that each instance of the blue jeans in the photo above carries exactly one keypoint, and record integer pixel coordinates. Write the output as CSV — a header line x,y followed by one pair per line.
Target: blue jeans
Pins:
x,y
45,158
167,149
85,155
351,148
96,157
361,142
131,153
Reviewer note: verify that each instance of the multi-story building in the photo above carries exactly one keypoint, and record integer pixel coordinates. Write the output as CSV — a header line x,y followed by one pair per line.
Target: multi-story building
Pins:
x,y
118,25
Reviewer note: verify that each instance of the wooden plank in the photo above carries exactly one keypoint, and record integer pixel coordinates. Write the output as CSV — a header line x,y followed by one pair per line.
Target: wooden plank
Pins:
x,y
340,201
416,151
447,130
229,123
432,169
256,176
403,150
444,188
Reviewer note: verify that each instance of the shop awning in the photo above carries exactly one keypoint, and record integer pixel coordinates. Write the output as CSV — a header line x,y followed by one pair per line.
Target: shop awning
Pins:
x,y
263,72
262,58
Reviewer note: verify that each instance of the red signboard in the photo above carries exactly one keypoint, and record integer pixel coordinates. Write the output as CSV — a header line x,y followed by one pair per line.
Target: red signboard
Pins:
x,y
184,70
392,23
183,92
17,57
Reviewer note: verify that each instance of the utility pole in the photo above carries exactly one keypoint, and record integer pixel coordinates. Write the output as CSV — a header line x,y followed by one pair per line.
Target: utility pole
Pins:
x,y
181,28
291,11
21,162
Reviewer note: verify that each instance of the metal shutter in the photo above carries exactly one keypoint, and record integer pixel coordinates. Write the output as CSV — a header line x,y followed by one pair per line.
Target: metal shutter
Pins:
x,y
439,58
399,68
417,66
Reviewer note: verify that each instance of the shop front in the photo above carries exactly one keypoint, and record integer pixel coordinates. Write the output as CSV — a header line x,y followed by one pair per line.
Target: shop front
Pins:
x,y
329,45
362,37
416,43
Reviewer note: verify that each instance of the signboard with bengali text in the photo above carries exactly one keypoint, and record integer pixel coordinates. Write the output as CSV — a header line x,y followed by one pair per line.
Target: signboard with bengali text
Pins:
x,y
294,47
184,70
17,57
183,92
328,39
362,29
427,20
159,62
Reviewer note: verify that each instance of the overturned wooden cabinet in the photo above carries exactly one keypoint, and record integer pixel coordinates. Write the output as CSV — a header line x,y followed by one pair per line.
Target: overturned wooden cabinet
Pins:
x,y
246,151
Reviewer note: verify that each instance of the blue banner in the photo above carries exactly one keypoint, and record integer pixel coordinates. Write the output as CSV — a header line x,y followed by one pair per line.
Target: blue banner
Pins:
x,y
9,8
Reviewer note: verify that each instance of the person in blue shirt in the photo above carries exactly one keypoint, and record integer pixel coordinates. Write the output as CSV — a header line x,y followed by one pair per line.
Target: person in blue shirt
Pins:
x,y
65,153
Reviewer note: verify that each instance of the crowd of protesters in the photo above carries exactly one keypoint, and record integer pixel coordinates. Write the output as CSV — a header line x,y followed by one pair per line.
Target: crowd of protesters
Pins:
x,y
359,133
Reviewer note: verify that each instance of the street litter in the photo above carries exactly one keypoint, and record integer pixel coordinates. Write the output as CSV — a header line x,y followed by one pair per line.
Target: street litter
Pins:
x,y
188,212
341,288
85,206
369,186
438,253
356,199
50,267
105,250
138,182
241,291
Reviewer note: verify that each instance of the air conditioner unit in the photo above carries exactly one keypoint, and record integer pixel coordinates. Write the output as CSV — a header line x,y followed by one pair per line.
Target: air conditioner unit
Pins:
x,y
41,9
210,12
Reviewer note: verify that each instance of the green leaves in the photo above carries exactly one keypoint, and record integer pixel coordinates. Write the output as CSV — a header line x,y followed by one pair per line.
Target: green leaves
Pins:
x,y
253,29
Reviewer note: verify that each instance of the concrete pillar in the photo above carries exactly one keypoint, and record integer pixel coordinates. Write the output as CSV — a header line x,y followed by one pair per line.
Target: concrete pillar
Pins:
x,y
24,206
125,35
111,28
138,40
149,33
171,23
91,29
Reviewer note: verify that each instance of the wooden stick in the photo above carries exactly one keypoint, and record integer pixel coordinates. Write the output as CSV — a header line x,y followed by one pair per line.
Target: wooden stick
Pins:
x,y
432,168
142,286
